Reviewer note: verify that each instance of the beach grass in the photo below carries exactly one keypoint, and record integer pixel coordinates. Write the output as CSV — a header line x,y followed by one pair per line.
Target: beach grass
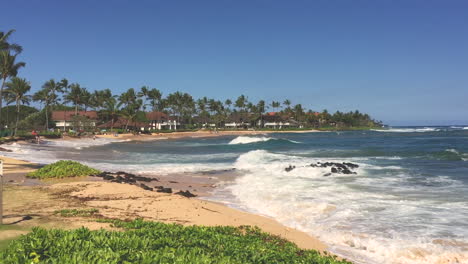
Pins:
x,y
154,242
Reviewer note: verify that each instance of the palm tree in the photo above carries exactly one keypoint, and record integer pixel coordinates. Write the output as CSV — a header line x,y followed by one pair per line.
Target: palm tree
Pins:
x,y
5,46
16,92
47,96
128,98
112,109
241,102
275,105
153,95
8,68
287,103
75,96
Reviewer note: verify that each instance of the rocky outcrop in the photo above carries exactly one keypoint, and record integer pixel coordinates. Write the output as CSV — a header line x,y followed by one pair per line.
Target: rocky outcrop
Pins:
x,y
335,167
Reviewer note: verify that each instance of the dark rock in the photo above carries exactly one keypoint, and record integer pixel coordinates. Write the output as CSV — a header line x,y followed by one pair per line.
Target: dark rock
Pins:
x,y
290,168
186,194
164,190
108,177
351,165
145,187
339,168
327,174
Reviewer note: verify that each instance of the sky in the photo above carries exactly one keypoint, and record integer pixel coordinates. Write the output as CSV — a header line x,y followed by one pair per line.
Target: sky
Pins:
x,y
404,62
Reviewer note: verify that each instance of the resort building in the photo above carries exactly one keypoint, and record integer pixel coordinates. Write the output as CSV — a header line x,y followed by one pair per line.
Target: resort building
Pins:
x,y
277,121
237,120
161,121
72,119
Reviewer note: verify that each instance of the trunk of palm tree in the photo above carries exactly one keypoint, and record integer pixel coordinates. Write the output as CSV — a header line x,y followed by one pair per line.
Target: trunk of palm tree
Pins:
x,y
17,116
112,124
1,102
47,117
126,125
76,109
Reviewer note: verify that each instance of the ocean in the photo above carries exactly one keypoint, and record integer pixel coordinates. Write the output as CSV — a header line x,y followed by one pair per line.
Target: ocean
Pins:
x,y
407,202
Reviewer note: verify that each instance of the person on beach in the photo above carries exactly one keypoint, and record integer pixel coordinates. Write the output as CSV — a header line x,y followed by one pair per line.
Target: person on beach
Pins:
x,y
36,136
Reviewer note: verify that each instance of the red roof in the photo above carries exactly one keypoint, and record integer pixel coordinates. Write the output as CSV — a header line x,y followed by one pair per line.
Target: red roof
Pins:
x,y
272,113
68,115
156,116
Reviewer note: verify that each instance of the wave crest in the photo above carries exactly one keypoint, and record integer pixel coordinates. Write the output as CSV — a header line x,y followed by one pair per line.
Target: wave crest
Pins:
x,y
249,140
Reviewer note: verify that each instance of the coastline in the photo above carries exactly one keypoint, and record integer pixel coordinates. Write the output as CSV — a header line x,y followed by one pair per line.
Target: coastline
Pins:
x,y
199,134
123,201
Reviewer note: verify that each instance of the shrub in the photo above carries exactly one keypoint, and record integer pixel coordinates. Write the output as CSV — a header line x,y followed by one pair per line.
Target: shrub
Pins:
x,y
62,169
153,242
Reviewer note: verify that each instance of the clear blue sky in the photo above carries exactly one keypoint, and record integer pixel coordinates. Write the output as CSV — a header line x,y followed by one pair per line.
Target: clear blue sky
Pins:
x,y
402,61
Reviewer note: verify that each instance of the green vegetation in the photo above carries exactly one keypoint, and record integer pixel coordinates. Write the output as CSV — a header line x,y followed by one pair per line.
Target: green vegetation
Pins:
x,y
153,242
77,212
63,169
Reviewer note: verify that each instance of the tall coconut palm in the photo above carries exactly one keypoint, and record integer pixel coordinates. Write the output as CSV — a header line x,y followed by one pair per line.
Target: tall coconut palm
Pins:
x,y
75,96
112,110
153,96
241,102
48,97
128,98
17,89
6,46
8,68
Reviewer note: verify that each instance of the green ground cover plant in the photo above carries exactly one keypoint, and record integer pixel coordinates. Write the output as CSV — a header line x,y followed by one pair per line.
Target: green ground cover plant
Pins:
x,y
77,212
63,169
154,242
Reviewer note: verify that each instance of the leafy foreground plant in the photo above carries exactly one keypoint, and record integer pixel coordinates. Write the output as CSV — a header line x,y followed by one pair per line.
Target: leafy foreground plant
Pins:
x,y
63,169
153,242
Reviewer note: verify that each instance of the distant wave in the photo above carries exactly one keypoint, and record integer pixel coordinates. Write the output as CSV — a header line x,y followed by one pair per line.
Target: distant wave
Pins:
x,y
455,155
248,140
465,128
408,130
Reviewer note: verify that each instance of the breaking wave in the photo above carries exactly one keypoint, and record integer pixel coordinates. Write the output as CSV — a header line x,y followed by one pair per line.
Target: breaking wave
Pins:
x,y
356,215
249,140
408,130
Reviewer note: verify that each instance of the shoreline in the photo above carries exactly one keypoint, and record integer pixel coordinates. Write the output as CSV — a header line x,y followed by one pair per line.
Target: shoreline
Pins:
x,y
124,201
198,134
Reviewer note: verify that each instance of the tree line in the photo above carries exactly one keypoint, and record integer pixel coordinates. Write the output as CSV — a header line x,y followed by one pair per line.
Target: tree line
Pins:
x,y
132,104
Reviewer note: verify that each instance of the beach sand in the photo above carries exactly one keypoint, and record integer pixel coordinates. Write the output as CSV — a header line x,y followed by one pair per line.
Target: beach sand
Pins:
x,y
199,134
26,205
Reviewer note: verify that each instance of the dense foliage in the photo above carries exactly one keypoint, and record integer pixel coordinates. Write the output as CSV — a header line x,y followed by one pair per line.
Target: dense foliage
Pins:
x,y
63,169
153,242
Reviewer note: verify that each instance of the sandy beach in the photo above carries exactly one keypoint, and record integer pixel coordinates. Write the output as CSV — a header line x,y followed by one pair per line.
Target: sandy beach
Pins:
x,y
28,203
199,134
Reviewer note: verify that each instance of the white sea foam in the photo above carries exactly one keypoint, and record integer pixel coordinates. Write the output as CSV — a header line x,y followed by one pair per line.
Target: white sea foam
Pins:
x,y
463,156
363,217
249,140
408,130
465,128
